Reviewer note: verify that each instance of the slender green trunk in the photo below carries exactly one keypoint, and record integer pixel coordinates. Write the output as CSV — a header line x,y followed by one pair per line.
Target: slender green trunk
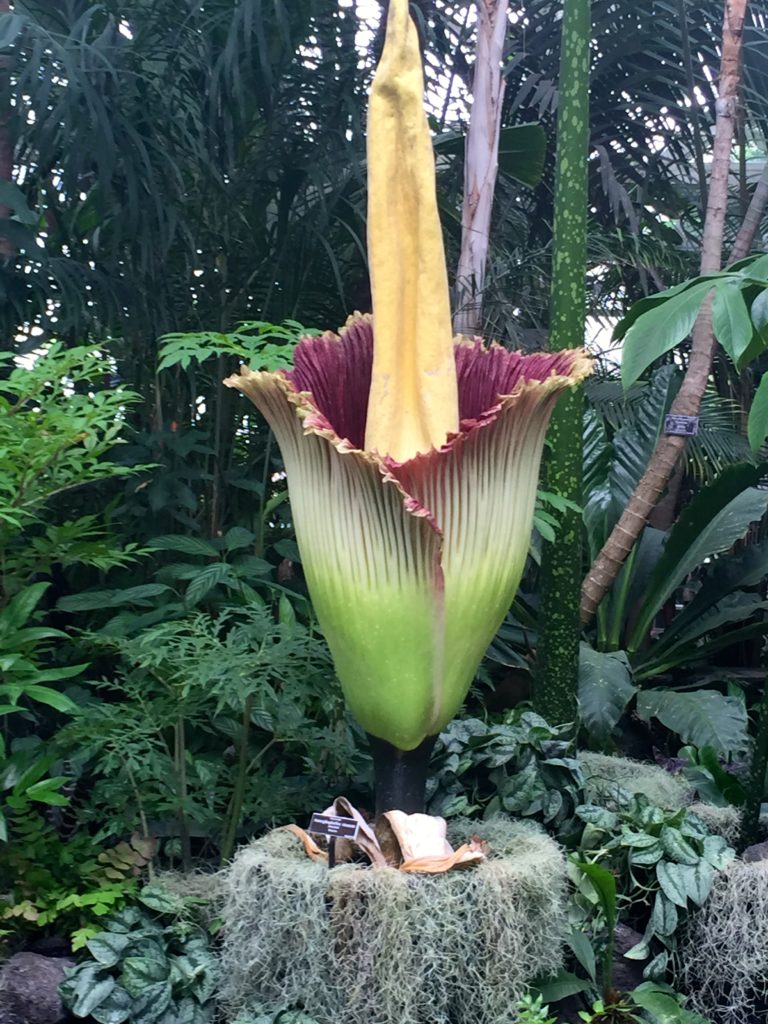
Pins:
x,y
241,778
555,680
180,757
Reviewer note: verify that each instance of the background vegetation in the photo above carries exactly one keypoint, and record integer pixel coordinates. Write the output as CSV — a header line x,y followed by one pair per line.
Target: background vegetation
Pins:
x,y
182,187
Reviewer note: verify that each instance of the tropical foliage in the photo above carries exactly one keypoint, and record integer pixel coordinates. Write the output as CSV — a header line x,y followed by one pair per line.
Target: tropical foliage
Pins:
x,y
182,189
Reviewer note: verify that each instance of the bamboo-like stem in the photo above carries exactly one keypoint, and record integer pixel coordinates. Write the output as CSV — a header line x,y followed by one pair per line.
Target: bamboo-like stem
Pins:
x,y
556,673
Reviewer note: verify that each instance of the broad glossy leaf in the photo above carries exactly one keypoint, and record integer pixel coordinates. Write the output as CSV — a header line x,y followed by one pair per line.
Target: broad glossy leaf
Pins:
x,y
599,816
759,311
660,329
18,610
564,984
139,972
187,545
151,1002
757,424
604,884
676,847
115,1009
719,515
108,947
47,792
683,882
605,689
663,1007
731,319
54,699
756,269
701,717
238,537
89,987
664,915
208,578
583,951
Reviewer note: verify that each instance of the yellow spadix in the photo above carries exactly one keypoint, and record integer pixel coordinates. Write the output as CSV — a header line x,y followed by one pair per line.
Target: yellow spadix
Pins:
x,y
413,403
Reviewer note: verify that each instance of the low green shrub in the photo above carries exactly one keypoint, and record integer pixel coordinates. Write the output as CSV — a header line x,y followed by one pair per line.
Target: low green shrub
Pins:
x,y
151,964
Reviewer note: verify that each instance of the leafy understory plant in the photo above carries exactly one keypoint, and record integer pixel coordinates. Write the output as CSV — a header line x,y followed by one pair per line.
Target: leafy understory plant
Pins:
x,y
213,573
667,861
66,886
58,425
531,1010
711,589
151,964
212,707
254,341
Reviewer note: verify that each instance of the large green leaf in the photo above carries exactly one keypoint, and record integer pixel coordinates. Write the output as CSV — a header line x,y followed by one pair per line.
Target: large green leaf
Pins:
x,y
733,570
759,311
683,882
108,947
115,1009
757,424
731,320
87,988
660,329
605,689
704,718
661,1004
677,643
564,984
717,517
90,600
604,884
18,610
188,545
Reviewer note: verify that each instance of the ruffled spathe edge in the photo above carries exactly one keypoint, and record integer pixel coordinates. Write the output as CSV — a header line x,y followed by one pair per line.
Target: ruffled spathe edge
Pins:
x,y
316,422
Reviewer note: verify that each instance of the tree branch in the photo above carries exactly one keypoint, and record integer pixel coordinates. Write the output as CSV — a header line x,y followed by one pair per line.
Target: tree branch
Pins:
x,y
668,449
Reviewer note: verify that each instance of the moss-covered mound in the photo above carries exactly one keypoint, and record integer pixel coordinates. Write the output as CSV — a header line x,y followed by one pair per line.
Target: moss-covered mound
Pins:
x,y
724,954
603,774
359,945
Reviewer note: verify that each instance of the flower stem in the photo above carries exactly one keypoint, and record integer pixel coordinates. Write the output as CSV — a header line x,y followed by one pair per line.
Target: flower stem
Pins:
x,y
401,775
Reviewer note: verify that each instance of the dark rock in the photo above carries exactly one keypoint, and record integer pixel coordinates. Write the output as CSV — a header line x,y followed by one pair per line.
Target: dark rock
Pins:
x,y
755,853
29,989
627,974
11,1009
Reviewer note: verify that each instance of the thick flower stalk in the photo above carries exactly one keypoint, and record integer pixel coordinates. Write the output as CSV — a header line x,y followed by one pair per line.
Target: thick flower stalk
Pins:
x,y
412,457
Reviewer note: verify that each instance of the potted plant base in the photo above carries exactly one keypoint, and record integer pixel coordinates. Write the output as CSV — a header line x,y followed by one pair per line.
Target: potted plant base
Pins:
x,y
375,945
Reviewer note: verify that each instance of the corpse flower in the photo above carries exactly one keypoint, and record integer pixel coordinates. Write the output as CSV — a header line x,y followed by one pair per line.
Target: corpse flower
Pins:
x,y
412,457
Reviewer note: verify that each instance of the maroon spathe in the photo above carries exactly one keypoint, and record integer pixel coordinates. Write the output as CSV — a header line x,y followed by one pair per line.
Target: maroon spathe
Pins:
x,y
336,371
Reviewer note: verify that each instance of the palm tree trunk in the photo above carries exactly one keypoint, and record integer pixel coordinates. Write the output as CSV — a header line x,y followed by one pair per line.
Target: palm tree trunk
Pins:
x,y
608,563
480,165
555,686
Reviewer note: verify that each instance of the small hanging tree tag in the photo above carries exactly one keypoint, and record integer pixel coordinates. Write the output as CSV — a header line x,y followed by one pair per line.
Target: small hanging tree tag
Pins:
x,y
682,426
